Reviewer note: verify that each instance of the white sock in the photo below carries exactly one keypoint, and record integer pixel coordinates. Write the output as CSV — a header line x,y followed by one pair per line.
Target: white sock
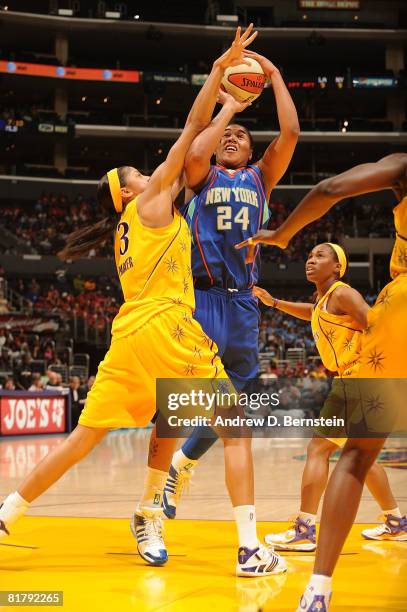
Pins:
x,y
245,517
394,512
182,462
152,496
14,506
321,584
306,516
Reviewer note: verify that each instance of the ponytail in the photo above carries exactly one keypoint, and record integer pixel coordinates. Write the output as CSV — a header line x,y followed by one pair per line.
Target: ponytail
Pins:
x,y
79,243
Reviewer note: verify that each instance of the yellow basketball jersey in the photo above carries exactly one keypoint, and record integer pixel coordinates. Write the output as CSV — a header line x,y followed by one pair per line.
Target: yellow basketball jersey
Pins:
x,y
398,262
154,267
336,337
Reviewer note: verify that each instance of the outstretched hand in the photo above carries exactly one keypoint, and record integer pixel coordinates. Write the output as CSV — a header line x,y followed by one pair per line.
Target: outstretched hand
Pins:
x,y
269,237
263,295
234,55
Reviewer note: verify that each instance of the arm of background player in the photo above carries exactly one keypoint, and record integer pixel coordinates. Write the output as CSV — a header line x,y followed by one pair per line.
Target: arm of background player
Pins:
x,y
361,179
277,157
198,158
352,303
301,310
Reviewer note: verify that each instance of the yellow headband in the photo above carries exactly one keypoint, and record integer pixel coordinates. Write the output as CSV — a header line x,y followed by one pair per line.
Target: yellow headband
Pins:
x,y
114,186
341,257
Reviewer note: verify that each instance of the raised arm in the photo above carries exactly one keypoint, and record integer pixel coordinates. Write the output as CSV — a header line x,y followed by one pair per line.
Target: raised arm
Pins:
x,y
199,116
365,178
278,154
301,310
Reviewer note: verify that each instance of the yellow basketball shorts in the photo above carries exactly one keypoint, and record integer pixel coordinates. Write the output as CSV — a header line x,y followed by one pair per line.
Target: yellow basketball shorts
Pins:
x,y
171,345
384,343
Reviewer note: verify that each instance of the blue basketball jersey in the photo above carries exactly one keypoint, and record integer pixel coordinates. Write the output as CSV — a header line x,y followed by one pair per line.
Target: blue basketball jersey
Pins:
x,y
230,207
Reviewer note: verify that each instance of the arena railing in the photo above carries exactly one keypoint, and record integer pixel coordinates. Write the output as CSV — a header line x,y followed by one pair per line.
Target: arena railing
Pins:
x,y
157,30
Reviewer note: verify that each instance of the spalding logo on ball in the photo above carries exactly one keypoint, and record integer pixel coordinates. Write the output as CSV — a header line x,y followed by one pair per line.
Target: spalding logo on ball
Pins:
x,y
244,82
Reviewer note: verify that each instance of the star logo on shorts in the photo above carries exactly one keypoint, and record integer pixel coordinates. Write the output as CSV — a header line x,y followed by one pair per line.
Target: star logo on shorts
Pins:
x,y
197,352
178,333
375,360
186,317
171,264
185,285
189,271
348,344
384,299
182,245
176,300
190,369
330,334
369,328
206,339
374,404
402,256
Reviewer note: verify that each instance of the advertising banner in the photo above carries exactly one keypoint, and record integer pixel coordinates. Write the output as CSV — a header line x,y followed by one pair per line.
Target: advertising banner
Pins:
x,y
66,72
33,413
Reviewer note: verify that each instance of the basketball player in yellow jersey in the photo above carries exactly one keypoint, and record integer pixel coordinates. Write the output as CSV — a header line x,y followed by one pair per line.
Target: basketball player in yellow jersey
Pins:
x,y
337,321
154,334
383,350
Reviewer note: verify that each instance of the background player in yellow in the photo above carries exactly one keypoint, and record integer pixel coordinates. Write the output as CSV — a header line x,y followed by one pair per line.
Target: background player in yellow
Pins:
x,y
383,350
154,334
337,320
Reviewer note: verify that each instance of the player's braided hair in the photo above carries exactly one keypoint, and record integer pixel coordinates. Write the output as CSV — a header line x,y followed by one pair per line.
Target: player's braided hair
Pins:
x,y
79,243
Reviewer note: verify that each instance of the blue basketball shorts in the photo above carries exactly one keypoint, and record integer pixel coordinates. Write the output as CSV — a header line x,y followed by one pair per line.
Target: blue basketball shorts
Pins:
x,y
231,319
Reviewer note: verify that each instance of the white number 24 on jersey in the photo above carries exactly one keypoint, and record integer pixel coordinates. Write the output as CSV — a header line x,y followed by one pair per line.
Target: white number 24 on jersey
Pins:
x,y
224,220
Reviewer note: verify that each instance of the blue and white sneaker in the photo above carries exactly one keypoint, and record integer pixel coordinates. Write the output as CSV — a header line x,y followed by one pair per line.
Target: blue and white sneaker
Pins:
x,y
311,602
394,528
177,480
147,527
260,561
301,536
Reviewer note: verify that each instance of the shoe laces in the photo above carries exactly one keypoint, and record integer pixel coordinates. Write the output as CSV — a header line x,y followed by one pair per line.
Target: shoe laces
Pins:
x,y
265,553
182,482
153,528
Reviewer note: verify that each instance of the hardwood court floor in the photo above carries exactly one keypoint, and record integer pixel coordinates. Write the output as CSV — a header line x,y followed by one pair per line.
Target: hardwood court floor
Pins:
x,y
77,537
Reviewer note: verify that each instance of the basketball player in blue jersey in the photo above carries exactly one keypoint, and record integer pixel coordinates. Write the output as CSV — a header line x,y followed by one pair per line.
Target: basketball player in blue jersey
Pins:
x,y
230,200
225,202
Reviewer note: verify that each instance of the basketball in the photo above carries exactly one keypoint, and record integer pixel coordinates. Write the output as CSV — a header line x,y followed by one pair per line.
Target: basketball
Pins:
x,y
244,82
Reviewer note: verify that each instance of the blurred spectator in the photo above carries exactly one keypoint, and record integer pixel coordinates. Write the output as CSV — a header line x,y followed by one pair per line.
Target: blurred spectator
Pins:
x,y
77,394
36,384
44,224
9,384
